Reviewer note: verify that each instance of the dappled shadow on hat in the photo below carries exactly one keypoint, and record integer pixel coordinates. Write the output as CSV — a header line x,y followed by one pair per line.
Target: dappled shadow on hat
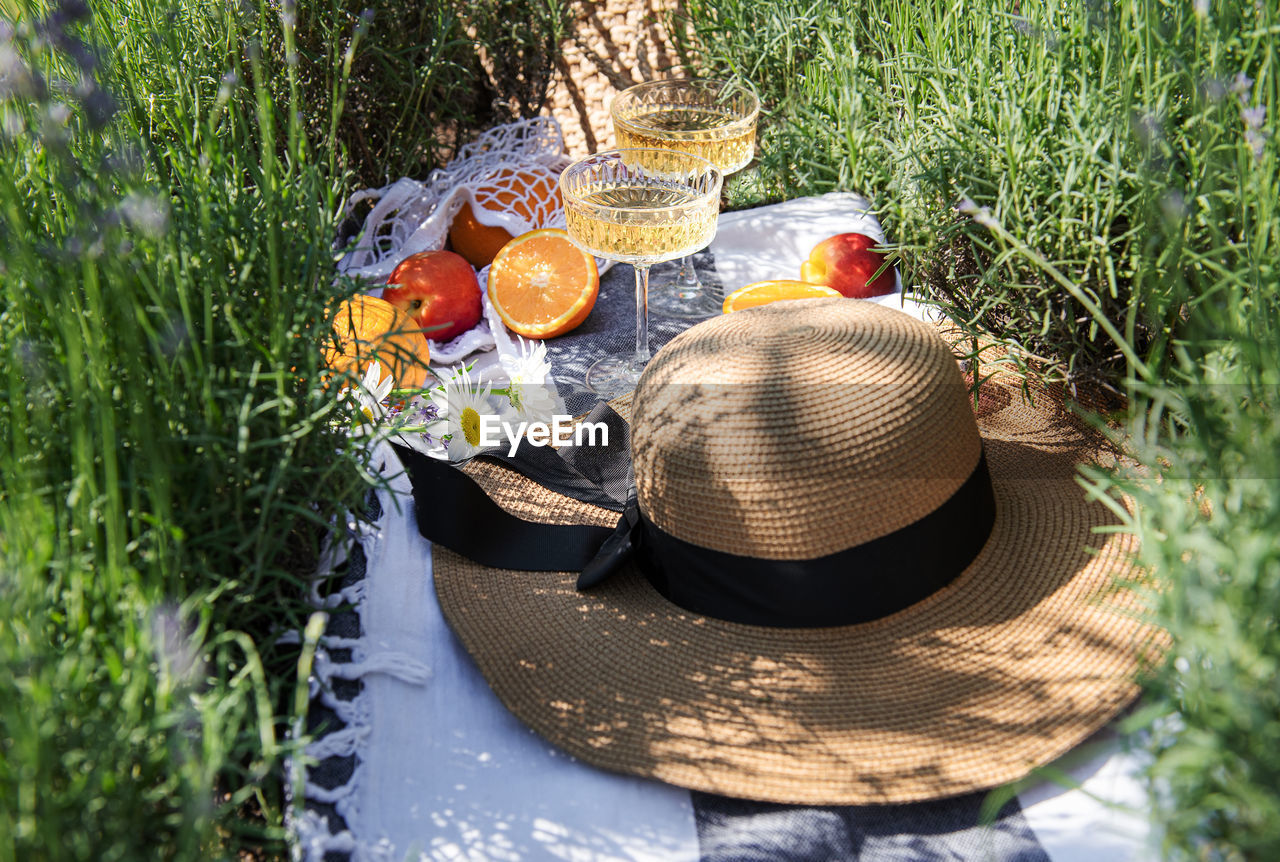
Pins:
x,y
827,428
1028,651
1004,670
990,398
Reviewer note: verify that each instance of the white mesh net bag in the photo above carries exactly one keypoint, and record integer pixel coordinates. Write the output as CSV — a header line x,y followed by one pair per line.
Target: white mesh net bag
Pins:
x,y
410,216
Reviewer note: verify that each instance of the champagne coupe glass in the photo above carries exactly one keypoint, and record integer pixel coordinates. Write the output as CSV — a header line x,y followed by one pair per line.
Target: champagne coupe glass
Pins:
x,y
709,118
638,206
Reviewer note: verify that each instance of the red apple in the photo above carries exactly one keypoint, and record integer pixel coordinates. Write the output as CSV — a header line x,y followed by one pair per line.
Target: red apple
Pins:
x,y
439,290
847,263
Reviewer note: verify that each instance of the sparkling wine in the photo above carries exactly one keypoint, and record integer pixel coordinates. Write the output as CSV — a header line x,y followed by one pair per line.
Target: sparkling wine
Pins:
x,y
639,206
641,220
710,131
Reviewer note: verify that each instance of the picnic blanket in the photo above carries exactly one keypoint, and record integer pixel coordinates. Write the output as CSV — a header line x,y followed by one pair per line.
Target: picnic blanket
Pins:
x,y
421,761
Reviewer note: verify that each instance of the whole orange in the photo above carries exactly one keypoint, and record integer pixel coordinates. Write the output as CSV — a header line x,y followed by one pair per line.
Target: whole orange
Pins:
x,y
478,243
523,192
439,290
367,329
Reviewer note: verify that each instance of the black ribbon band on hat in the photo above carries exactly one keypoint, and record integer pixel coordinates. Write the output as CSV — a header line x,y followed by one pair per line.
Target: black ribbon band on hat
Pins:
x,y
863,583
857,585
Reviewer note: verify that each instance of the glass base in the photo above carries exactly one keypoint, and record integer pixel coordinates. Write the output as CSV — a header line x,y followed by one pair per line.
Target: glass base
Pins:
x,y
613,376
676,300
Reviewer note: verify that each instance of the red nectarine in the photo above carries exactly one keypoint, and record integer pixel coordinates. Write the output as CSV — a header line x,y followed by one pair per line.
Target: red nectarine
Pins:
x,y
439,290
847,263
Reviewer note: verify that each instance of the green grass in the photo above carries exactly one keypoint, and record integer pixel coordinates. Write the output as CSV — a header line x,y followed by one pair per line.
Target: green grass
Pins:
x,y
1070,124
1097,185
172,177
428,76
166,225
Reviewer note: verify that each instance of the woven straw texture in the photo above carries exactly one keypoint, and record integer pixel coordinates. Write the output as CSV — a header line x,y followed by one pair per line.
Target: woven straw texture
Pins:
x,y
1031,649
790,437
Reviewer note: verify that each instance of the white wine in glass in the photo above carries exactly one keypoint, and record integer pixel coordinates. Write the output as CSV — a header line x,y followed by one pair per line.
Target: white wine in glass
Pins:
x,y
638,206
709,118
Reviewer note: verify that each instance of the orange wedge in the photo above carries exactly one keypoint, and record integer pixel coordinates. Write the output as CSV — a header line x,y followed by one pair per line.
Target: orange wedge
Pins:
x,y
542,285
765,292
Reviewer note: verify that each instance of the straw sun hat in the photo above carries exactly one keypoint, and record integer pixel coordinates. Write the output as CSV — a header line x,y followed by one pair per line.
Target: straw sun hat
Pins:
x,y
836,583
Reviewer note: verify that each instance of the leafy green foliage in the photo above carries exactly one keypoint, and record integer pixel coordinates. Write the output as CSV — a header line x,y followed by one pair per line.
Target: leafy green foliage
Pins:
x,y
1062,121
167,266
429,74
1097,185
172,176
1207,430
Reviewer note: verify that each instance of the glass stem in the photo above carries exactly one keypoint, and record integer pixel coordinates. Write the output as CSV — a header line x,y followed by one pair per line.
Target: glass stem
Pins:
x,y
642,315
686,284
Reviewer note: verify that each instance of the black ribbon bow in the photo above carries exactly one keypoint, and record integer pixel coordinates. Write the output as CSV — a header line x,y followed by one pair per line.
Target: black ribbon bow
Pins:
x,y
621,546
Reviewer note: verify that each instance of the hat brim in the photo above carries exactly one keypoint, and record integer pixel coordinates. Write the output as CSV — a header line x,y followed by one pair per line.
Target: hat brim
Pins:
x,y
1034,647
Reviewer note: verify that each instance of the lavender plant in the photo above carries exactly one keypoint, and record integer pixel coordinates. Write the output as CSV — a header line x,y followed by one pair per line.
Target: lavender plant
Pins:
x,y
430,75
1097,185
165,229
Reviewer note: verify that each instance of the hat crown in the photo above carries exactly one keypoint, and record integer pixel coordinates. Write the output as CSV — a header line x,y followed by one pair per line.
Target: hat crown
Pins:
x,y
800,429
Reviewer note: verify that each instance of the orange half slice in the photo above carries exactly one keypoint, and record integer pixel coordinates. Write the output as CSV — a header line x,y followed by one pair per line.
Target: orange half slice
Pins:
x,y
542,285
765,292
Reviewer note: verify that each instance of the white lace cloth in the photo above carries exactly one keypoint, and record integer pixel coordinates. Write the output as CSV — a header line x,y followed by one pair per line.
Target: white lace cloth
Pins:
x,y
446,773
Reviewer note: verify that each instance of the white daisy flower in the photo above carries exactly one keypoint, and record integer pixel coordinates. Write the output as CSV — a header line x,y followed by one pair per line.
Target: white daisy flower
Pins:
x,y
531,390
461,402
368,398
